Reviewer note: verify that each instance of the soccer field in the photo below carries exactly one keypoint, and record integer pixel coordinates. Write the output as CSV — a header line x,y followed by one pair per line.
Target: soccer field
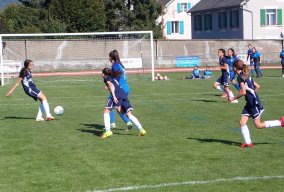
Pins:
x,y
192,141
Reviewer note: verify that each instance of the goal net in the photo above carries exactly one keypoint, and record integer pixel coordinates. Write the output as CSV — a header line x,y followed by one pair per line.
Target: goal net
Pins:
x,y
77,54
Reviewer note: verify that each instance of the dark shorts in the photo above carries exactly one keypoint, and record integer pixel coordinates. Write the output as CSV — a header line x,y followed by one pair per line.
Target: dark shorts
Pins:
x,y
32,92
253,112
123,103
224,80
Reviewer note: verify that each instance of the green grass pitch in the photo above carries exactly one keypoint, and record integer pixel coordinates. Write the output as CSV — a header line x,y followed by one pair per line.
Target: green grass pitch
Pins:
x,y
192,135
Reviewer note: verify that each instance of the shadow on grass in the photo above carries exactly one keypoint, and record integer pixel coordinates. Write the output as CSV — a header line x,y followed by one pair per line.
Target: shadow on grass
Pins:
x,y
94,132
205,100
15,117
226,142
96,126
98,130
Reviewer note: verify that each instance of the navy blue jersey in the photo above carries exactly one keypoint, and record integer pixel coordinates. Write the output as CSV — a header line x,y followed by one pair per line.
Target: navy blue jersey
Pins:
x,y
250,53
119,93
251,96
27,81
282,56
222,62
230,62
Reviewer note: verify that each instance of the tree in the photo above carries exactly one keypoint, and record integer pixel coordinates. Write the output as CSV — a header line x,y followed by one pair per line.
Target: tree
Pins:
x,y
80,16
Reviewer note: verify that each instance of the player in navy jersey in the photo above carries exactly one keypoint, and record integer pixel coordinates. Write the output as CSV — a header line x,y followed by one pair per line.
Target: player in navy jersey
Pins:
x,y
119,70
225,77
119,100
250,59
31,90
282,61
253,108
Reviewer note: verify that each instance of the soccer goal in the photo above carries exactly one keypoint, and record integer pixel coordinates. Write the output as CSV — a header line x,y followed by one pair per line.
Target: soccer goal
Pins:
x,y
69,54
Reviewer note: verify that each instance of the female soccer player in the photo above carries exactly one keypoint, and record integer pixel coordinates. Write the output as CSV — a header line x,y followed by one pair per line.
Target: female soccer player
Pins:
x,y
256,60
253,107
282,61
119,71
250,59
31,90
225,77
231,58
207,74
118,100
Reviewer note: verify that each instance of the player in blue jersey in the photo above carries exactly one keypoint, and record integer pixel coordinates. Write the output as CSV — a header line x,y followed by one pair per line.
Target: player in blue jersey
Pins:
x,y
119,100
225,77
31,90
207,74
282,61
257,60
253,108
196,73
119,70
250,59
231,58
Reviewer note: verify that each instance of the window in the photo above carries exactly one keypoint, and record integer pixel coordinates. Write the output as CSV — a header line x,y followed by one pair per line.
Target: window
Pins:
x,y
234,19
222,20
198,23
208,22
270,17
183,7
175,27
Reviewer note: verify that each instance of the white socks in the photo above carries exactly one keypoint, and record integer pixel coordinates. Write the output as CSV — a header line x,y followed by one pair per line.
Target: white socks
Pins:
x,y
40,111
246,135
136,122
107,121
231,94
46,108
220,88
275,123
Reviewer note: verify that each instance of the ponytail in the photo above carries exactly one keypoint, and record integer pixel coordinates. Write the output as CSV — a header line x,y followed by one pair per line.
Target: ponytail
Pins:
x,y
246,71
107,71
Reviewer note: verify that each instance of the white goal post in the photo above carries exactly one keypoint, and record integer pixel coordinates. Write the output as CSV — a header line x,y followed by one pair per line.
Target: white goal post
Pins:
x,y
60,50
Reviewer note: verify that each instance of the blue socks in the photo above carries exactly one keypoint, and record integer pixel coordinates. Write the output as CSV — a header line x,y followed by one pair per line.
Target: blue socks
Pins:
x,y
237,86
123,117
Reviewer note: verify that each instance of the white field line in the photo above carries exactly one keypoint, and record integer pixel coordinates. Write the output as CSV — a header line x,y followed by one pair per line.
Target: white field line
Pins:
x,y
161,185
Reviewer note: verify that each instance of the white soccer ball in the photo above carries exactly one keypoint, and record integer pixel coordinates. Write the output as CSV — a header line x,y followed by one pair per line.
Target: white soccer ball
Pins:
x,y
58,110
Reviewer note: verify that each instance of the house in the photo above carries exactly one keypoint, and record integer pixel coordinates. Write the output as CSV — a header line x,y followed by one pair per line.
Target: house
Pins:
x,y
237,19
176,22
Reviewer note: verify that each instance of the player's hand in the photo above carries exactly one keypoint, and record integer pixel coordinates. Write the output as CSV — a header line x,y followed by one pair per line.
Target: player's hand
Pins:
x,y
8,94
106,88
115,100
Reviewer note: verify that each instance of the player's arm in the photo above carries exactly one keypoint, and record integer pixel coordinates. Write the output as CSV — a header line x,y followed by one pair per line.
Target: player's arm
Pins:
x,y
112,91
225,67
256,87
14,87
241,93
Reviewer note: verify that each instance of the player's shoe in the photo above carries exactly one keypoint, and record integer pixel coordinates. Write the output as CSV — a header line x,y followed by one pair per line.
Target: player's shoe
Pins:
x,y
50,118
235,101
142,133
282,121
246,145
107,134
113,126
129,126
224,95
39,119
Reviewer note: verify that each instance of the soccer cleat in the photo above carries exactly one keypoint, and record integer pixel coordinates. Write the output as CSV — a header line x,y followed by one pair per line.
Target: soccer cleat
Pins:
x,y
282,121
142,133
106,134
129,126
246,145
113,126
39,119
49,118
224,95
235,101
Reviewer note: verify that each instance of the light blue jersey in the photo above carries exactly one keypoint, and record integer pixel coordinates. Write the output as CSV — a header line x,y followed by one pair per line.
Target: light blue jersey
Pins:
x,y
122,80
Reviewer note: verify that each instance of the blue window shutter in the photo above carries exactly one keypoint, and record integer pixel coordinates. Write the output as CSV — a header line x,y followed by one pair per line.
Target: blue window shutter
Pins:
x,y
181,27
179,7
169,27
188,6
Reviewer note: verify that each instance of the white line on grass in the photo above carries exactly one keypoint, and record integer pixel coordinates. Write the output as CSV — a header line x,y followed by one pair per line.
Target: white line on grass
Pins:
x,y
161,185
